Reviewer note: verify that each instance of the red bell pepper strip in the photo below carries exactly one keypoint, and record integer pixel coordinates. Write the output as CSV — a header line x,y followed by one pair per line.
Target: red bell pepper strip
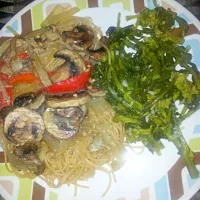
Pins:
x,y
22,56
23,78
73,84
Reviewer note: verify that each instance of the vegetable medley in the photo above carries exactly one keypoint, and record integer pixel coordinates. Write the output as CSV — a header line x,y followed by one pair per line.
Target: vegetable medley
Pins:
x,y
54,59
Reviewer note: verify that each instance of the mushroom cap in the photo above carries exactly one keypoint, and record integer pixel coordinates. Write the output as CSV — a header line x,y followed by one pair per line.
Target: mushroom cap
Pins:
x,y
23,125
63,123
68,100
81,36
25,157
74,60
24,99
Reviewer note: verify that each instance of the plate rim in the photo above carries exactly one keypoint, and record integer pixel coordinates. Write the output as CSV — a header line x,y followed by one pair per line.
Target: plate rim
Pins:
x,y
195,21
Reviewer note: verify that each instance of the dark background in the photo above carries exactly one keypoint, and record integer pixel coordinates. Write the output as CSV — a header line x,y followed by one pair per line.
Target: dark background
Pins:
x,y
8,8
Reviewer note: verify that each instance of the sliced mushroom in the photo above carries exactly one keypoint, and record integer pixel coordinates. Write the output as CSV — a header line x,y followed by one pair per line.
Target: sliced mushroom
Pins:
x,y
30,100
98,53
37,102
74,60
25,158
95,92
81,35
23,125
64,123
24,99
5,111
73,35
68,100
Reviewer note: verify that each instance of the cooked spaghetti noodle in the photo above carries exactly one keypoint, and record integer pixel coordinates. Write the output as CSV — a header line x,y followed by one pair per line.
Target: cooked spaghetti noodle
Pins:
x,y
99,142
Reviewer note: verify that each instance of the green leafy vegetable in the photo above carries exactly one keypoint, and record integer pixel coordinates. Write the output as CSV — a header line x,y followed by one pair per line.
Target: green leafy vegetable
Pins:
x,y
149,73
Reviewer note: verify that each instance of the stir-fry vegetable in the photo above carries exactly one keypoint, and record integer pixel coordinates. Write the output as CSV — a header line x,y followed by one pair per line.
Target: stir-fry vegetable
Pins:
x,y
73,84
4,47
23,78
145,85
59,14
41,72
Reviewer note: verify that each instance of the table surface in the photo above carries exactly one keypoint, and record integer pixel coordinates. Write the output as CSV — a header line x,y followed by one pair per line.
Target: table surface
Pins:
x,y
8,8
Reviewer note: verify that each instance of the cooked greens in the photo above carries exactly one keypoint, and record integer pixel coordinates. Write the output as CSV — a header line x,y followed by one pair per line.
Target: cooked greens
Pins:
x,y
151,81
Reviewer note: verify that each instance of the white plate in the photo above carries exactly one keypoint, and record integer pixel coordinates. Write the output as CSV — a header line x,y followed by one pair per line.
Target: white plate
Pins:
x,y
145,176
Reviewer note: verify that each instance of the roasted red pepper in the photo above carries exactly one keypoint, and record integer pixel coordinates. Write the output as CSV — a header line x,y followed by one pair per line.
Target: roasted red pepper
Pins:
x,y
23,78
73,84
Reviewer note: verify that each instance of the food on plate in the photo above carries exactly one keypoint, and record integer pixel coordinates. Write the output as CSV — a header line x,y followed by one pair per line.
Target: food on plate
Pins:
x,y
54,123
150,80
65,143
72,98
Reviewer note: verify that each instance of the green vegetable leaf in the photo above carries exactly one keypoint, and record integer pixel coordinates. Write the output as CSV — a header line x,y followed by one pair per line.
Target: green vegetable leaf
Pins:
x,y
149,72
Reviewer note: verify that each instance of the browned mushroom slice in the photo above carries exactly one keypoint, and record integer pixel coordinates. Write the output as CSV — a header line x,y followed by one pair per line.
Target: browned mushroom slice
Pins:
x,y
73,35
68,100
64,123
26,158
30,100
37,102
81,35
5,111
74,60
98,53
24,99
95,92
23,125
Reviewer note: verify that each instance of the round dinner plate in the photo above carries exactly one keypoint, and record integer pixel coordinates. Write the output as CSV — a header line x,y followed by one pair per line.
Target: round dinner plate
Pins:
x,y
145,176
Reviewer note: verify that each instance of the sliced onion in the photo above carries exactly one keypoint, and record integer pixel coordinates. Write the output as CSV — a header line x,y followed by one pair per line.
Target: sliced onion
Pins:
x,y
4,46
57,16
41,71
12,31
13,46
32,34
